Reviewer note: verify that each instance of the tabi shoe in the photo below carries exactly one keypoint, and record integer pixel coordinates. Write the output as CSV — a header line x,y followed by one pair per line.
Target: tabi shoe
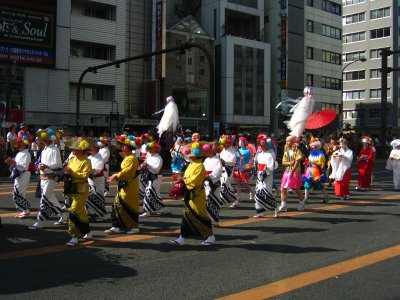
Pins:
x,y
276,215
72,242
283,207
105,194
37,225
302,206
235,203
261,215
133,231
113,230
144,215
179,242
250,196
209,242
61,222
23,214
86,237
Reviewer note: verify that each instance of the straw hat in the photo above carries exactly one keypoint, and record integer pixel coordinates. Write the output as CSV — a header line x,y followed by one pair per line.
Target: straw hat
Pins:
x,y
79,143
197,149
128,140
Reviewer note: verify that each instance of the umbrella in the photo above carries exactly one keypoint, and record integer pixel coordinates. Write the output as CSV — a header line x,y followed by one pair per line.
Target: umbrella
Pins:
x,y
320,119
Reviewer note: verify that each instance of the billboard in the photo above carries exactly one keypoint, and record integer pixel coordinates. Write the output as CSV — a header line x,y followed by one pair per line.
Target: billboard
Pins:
x,y
28,32
160,39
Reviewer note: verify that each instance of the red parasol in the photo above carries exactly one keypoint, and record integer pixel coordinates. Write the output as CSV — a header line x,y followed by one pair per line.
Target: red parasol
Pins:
x,y
320,119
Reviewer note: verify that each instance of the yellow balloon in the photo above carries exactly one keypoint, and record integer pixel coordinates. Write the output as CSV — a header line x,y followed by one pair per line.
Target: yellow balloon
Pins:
x,y
195,145
43,135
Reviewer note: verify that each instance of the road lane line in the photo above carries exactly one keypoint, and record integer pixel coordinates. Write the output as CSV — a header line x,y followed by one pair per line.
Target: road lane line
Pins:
x,y
302,280
130,238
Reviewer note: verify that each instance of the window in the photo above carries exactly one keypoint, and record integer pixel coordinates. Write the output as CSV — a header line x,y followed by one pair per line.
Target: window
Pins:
x,y
377,93
310,3
356,18
380,13
190,61
354,95
356,75
351,2
310,26
354,37
91,50
332,32
310,79
380,33
334,8
202,58
310,53
331,57
202,72
376,73
353,56
376,53
331,83
99,11
98,93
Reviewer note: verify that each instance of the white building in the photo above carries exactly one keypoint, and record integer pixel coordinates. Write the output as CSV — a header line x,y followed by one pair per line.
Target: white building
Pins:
x,y
242,63
368,27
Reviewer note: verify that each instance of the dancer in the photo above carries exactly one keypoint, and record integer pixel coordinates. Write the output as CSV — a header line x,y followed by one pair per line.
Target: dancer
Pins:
x,y
341,169
365,163
228,160
266,164
105,154
314,176
170,118
145,138
244,161
78,171
151,179
301,112
393,163
213,167
176,157
49,165
125,209
21,174
96,204
330,148
195,220
291,179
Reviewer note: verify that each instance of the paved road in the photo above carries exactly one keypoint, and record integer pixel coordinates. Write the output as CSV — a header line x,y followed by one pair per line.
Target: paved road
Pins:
x,y
344,249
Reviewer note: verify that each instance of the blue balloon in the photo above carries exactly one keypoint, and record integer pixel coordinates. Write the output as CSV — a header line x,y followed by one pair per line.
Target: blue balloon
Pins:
x,y
24,137
51,132
196,151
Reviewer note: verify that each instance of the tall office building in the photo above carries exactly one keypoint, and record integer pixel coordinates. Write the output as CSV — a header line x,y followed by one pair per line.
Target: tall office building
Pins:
x,y
368,27
306,43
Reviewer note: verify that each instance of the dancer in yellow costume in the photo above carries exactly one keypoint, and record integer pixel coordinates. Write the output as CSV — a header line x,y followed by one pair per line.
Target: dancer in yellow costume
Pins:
x,y
195,221
79,169
125,210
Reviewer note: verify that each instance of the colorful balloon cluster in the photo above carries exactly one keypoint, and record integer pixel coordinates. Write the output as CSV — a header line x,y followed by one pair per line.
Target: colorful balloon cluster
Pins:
x,y
49,134
153,146
130,140
227,140
25,140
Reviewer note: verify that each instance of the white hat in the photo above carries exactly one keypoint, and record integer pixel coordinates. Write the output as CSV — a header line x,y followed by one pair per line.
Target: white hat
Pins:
x,y
395,143
365,141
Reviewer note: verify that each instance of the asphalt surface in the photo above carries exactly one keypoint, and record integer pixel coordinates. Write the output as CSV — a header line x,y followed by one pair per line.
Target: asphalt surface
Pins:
x,y
249,252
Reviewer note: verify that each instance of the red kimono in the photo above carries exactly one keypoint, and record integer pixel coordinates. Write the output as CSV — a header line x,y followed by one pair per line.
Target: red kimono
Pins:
x,y
365,163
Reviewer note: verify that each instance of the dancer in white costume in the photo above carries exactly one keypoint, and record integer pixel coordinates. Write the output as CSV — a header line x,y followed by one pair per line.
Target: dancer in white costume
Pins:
x,y
393,163
170,118
301,113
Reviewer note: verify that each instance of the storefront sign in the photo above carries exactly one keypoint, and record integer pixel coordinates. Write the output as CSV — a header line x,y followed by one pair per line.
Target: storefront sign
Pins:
x,y
27,32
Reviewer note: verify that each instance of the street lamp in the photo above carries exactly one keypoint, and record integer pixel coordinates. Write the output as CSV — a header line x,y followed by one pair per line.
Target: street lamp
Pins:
x,y
363,59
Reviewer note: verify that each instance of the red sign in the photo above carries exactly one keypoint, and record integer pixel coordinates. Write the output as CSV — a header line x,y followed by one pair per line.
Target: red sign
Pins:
x,y
16,115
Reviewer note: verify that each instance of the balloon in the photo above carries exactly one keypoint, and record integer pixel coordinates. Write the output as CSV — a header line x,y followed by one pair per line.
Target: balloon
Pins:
x,y
195,145
43,135
51,131
262,142
196,151
186,151
53,137
206,147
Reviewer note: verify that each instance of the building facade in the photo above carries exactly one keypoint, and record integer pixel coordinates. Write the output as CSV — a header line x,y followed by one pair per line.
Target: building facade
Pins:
x,y
306,43
368,27
86,34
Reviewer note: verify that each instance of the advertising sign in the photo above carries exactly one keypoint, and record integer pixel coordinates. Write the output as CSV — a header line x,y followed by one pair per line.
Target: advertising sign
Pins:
x,y
160,39
27,32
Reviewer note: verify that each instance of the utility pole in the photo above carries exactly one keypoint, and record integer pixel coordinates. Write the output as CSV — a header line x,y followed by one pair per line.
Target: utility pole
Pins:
x,y
385,70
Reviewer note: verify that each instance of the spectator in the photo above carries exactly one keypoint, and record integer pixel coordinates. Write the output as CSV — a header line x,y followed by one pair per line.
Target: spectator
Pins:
x,y
11,141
